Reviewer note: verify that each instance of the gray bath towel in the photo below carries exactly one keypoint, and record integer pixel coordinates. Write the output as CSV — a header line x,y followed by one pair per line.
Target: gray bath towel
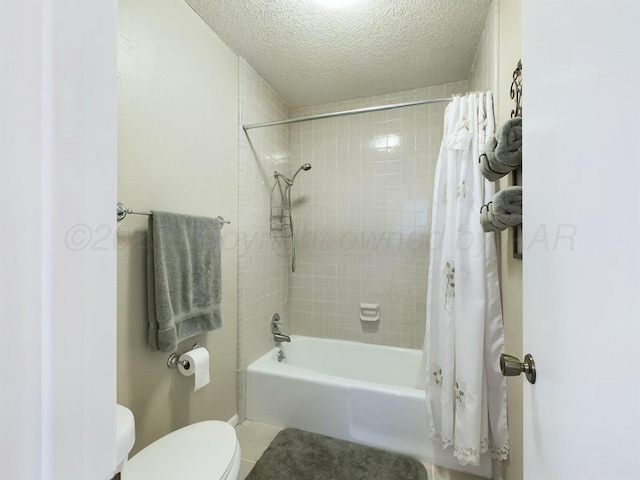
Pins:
x,y
183,278
509,149
490,148
507,206
502,152
487,219
492,170
503,211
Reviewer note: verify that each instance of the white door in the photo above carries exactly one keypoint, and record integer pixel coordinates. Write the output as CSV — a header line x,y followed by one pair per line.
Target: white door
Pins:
x,y
581,69
58,125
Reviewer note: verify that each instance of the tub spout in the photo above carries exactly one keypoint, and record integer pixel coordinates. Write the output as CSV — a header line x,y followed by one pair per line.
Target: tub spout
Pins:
x,y
275,329
281,337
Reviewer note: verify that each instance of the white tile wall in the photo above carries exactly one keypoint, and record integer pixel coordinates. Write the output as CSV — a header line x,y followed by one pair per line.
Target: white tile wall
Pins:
x,y
362,215
362,218
263,266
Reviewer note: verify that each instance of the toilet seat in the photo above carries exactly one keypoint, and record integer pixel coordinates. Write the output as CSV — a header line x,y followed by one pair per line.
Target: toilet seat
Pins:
x,y
125,435
203,451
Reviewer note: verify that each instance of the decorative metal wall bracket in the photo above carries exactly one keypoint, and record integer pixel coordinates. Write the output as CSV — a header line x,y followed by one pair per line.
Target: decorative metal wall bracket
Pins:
x,y
516,95
516,90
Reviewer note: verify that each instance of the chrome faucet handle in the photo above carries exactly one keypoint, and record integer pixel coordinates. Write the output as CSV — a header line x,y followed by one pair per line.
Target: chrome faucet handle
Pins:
x,y
276,323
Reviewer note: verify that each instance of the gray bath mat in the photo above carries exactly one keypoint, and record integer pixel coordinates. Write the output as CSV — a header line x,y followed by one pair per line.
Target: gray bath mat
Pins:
x,y
298,455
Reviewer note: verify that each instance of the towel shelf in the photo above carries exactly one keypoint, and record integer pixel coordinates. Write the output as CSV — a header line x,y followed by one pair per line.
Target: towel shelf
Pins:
x,y
122,211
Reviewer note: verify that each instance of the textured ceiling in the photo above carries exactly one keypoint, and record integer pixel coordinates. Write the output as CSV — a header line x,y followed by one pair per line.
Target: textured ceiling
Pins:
x,y
312,55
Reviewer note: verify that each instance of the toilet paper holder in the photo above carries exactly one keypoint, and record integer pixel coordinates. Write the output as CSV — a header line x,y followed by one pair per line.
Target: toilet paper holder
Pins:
x,y
174,359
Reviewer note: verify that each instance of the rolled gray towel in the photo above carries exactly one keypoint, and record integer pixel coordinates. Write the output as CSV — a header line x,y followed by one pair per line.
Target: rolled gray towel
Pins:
x,y
507,207
508,152
492,223
490,148
492,170
485,219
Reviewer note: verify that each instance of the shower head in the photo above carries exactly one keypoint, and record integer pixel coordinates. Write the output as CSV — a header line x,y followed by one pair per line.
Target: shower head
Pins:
x,y
289,182
304,166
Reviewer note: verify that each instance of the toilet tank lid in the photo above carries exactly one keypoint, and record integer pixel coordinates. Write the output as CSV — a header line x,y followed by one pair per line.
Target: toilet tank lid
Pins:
x,y
202,451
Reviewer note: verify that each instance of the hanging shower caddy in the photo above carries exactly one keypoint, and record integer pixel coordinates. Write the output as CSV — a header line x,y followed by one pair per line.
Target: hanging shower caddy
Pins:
x,y
280,222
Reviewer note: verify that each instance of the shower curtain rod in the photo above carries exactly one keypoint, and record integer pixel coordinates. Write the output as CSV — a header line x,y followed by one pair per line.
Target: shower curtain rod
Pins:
x,y
344,113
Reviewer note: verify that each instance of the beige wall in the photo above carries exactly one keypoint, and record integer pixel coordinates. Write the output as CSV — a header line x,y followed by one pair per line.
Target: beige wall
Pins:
x,y
497,57
484,73
177,149
510,268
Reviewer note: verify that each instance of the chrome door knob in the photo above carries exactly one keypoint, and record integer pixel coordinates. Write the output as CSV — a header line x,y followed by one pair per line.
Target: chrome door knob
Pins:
x,y
511,366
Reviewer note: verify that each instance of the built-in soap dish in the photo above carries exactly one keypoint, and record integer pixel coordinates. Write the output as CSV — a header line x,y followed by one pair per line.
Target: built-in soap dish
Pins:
x,y
369,312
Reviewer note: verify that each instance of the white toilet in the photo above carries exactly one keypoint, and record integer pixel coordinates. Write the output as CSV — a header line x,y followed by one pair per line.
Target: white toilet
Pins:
x,y
206,450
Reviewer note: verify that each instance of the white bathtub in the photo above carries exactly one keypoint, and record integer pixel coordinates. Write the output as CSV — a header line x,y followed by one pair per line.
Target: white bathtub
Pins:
x,y
349,390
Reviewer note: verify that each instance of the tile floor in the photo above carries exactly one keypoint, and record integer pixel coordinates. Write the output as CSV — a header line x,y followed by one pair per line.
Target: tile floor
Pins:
x,y
255,437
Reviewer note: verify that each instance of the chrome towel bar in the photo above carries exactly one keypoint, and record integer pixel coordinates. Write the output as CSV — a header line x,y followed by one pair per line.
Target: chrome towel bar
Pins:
x,y
123,211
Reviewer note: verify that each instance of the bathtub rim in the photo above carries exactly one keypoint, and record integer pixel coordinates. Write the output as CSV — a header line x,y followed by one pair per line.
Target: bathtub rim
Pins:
x,y
262,363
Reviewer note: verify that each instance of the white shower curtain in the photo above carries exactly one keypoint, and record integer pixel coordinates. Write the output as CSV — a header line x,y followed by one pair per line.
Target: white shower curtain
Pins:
x,y
465,391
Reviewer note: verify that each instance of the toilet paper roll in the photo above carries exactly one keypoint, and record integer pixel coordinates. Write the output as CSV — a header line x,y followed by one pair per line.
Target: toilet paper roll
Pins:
x,y
198,365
